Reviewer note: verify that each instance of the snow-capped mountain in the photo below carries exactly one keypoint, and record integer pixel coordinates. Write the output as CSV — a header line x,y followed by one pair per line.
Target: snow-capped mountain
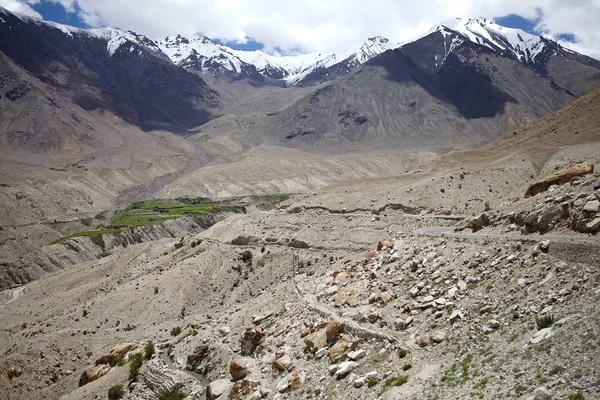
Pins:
x,y
108,69
515,43
202,54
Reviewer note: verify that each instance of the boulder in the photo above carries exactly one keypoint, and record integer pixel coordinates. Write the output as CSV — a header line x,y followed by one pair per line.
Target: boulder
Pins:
x,y
438,337
116,354
332,330
479,222
251,339
559,178
297,380
93,372
239,368
592,206
195,359
283,363
382,243
14,372
218,388
345,368
338,350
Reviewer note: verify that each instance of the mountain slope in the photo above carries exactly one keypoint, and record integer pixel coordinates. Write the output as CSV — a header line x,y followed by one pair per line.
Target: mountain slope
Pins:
x,y
108,69
446,90
201,54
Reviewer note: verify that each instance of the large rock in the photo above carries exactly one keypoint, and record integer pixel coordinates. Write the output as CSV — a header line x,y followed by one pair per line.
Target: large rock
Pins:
x,y
219,389
345,368
114,355
338,351
479,222
158,377
559,178
239,368
106,361
251,339
332,330
195,359
93,372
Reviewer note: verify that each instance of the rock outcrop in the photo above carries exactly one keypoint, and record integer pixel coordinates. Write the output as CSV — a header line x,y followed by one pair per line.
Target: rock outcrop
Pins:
x,y
107,361
559,178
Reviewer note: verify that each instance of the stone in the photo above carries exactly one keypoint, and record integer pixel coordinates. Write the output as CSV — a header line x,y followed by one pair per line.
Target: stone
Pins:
x,y
239,368
283,363
594,225
195,359
14,372
116,354
332,330
479,222
541,335
338,350
559,178
423,340
251,339
359,382
218,388
261,318
357,355
321,352
92,373
283,385
297,380
438,337
456,315
592,206
544,245
402,324
382,243
224,331
494,324
345,368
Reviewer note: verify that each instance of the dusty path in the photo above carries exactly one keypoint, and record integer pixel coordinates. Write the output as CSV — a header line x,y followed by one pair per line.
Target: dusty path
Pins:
x,y
445,231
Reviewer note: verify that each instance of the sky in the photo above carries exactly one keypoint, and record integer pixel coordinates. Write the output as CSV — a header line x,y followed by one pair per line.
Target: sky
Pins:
x,y
302,26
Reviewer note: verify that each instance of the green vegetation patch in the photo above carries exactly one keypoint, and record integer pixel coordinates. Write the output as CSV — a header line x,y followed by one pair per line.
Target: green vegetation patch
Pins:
x,y
150,212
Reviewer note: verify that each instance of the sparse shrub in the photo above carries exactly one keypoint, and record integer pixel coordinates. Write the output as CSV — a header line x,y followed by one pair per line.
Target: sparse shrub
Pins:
x,y
247,256
402,353
406,367
372,382
135,363
520,389
116,392
576,396
179,244
557,369
176,331
149,350
85,313
262,249
173,394
545,321
330,258
155,289
398,381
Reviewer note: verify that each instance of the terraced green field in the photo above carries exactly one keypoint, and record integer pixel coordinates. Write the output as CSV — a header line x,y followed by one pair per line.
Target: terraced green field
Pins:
x,y
150,212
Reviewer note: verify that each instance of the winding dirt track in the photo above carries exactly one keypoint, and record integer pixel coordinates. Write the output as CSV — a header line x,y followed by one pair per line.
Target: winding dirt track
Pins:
x,y
445,231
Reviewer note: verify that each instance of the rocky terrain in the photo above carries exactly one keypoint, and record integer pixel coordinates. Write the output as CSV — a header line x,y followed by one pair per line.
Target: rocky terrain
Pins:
x,y
395,261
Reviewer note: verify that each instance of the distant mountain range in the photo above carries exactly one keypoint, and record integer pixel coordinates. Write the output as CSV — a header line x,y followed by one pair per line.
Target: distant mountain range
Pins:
x,y
200,53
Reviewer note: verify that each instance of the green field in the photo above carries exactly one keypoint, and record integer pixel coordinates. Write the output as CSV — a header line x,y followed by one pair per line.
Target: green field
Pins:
x,y
150,212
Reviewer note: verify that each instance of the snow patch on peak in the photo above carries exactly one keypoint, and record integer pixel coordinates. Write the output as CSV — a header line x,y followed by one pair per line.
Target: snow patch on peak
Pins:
x,y
524,46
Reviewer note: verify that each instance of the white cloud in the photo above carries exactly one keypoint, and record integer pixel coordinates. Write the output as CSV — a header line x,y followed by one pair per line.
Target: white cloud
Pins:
x,y
317,25
21,6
